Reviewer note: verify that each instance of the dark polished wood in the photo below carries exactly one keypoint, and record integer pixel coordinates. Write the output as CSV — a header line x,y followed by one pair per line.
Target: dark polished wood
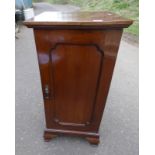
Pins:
x,y
48,136
81,19
76,55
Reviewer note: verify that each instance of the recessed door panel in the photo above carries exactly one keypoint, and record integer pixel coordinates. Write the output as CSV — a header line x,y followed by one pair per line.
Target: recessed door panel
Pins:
x,y
75,73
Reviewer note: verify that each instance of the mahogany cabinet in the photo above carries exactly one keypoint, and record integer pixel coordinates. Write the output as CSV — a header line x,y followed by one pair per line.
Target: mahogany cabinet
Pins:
x,y
76,53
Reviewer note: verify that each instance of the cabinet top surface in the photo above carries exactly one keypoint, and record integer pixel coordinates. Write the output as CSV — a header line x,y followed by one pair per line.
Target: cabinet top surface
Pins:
x,y
78,19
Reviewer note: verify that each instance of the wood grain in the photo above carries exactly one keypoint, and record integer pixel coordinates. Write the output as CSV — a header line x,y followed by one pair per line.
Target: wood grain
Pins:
x,y
59,19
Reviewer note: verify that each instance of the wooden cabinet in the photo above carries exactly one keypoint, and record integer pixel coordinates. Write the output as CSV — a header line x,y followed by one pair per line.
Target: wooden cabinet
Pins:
x,y
76,54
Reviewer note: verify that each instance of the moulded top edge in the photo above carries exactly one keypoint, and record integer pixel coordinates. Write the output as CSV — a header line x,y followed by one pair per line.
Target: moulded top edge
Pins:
x,y
82,18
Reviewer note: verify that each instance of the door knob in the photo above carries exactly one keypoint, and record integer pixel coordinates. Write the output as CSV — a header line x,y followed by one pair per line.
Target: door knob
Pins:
x,y
46,92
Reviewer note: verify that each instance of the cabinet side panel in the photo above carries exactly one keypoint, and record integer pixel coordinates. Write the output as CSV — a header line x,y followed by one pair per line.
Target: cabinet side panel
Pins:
x,y
110,46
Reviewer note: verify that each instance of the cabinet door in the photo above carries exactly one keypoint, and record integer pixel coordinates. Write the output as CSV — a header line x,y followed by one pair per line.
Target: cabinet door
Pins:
x,y
75,71
76,68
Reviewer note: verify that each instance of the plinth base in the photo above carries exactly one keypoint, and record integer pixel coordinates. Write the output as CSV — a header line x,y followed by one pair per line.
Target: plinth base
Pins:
x,y
92,138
